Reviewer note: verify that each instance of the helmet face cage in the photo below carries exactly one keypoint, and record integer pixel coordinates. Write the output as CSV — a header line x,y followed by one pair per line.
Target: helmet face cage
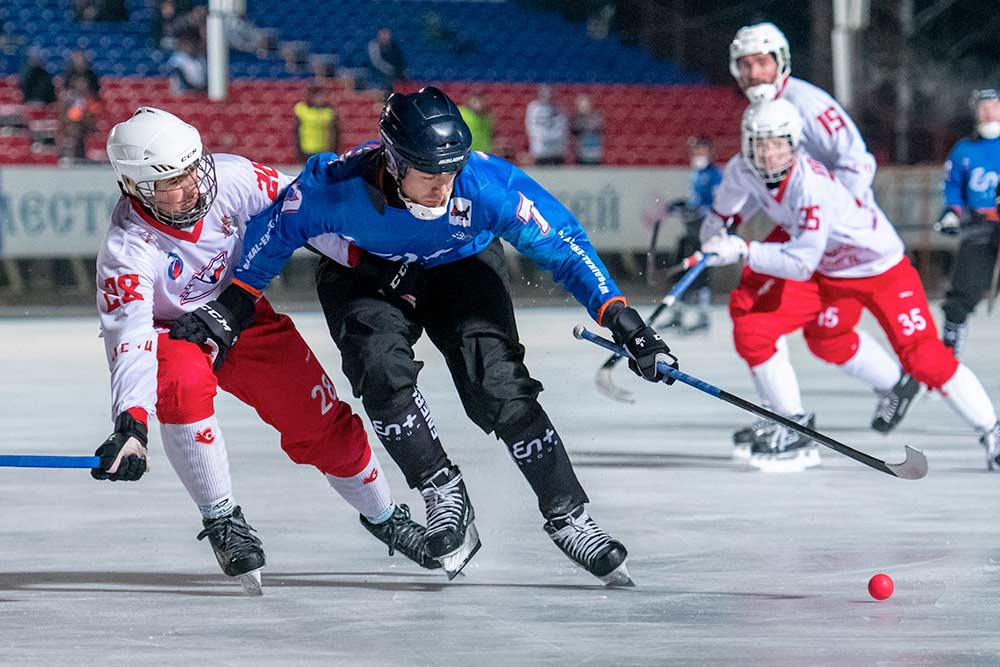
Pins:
x,y
754,150
203,172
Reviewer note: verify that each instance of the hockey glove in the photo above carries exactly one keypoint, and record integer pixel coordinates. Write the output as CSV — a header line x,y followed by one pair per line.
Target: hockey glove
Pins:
x,y
217,324
397,281
123,454
949,223
642,342
727,249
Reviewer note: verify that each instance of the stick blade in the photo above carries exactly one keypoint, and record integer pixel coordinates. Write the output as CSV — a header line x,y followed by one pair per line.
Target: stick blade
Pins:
x,y
914,466
606,385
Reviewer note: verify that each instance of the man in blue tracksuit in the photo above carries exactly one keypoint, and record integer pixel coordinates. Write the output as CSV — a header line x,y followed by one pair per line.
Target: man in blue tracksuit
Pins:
x,y
972,174
424,216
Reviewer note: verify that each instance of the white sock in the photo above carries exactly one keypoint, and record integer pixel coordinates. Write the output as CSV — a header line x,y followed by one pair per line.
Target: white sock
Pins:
x,y
872,365
367,492
966,396
776,382
197,453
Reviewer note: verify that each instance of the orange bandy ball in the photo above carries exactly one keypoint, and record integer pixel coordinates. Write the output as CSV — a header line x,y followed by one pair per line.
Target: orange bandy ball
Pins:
x,y
880,586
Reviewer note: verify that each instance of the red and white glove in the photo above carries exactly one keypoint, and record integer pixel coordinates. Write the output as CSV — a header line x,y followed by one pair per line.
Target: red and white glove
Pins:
x,y
727,249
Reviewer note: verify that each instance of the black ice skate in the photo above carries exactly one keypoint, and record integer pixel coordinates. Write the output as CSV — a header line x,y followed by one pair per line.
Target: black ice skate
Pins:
x,y
452,538
403,534
894,404
954,335
991,441
759,430
589,547
786,450
239,552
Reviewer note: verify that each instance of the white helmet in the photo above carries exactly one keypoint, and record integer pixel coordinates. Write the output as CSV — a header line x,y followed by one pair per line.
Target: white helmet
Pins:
x,y
154,145
771,119
761,38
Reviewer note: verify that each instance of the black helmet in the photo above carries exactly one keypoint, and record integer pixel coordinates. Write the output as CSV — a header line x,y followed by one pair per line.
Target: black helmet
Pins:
x,y
424,130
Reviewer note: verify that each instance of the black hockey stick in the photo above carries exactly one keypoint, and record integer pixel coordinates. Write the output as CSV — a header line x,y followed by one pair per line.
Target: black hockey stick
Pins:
x,y
914,466
605,383
994,285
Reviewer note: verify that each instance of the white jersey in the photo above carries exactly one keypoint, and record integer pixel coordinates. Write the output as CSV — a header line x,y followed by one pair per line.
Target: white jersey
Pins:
x,y
832,231
149,274
830,136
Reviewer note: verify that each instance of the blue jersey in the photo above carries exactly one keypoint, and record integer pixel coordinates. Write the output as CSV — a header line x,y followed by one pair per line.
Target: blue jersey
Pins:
x,y
973,169
491,198
703,185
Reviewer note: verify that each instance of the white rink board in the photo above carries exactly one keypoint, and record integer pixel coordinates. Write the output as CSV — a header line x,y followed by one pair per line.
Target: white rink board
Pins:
x,y
732,567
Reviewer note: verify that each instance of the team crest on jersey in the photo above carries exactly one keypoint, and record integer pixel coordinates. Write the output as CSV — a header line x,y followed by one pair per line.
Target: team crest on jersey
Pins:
x,y
229,225
460,213
175,267
205,281
292,200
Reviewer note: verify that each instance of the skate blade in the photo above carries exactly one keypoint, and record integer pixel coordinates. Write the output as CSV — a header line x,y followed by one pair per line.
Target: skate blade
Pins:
x,y
454,562
606,386
251,583
618,578
808,458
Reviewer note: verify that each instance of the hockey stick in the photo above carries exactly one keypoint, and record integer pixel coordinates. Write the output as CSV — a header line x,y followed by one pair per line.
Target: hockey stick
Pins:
x,y
603,379
914,466
50,461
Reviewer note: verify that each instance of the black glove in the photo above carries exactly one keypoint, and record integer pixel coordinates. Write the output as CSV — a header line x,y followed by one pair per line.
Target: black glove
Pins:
x,y
127,445
397,281
948,224
218,323
642,342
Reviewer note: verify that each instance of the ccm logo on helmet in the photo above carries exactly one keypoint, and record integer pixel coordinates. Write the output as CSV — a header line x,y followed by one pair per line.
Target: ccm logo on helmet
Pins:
x,y
189,155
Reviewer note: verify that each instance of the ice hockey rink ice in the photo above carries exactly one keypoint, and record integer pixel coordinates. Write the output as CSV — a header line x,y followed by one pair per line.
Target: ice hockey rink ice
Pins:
x,y
732,567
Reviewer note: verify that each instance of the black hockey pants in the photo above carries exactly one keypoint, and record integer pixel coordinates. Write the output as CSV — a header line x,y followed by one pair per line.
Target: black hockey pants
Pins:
x,y
970,279
466,310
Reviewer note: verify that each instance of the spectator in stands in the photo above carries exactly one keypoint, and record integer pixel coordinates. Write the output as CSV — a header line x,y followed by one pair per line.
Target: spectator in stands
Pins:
x,y
187,67
165,24
77,66
547,126
323,66
587,128
317,129
79,109
480,122
100,10
243,35
36,82
441,36
387,61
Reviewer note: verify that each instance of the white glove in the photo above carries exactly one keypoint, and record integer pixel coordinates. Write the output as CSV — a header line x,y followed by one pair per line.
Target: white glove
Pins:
x,y
727,249
710,226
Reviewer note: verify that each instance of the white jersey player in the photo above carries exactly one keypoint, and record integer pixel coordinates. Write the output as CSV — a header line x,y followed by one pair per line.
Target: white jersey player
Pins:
x,y
761,63
173,238
848,249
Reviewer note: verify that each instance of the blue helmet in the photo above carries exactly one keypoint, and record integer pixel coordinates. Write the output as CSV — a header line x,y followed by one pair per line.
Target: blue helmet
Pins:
x,y
424,130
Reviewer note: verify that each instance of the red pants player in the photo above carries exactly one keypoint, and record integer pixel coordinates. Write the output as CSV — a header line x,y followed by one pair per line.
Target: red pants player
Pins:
x,y
173,238
849,257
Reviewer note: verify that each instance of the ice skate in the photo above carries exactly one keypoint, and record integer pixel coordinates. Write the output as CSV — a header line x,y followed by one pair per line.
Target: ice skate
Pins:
x,y
786,450
743,439
403,534
895,403
239,552
589,547
700,325
452,538
990,440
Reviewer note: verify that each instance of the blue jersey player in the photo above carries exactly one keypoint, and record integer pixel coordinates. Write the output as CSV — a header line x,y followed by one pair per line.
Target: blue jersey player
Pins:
x,y
424,217
972,174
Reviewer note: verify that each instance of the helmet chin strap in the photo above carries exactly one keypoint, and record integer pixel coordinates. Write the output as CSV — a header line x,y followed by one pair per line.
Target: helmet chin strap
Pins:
x,y
421,212
761,92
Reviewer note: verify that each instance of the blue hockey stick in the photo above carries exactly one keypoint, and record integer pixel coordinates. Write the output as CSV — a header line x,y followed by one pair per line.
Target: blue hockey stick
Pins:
x,y
605,384
914,466
50,461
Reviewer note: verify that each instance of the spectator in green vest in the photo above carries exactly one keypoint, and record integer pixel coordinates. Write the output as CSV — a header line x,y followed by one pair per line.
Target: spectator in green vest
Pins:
x,y
480,122
317,129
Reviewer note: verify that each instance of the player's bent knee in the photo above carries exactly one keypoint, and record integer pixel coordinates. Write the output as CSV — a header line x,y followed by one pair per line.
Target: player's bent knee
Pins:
x,y
185,394
929,361
837,349
340,449
753,347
